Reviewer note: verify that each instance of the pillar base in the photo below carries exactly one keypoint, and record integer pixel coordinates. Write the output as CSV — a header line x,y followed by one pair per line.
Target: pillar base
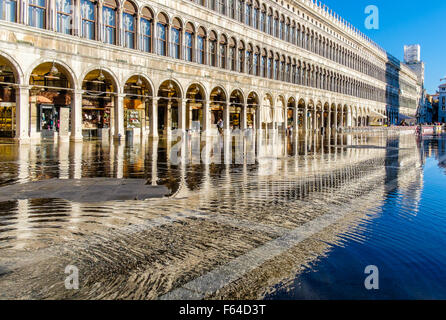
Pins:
x,y
22,140
119,137
76,138
64,138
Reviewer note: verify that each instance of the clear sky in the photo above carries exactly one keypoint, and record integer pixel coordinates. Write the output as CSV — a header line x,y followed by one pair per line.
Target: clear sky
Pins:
x,y
404,22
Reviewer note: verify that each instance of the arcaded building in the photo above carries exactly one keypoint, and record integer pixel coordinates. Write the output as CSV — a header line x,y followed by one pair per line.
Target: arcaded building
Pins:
x,y
81,69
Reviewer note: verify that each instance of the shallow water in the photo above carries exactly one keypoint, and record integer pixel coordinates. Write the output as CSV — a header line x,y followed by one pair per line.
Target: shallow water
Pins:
x,y
283,219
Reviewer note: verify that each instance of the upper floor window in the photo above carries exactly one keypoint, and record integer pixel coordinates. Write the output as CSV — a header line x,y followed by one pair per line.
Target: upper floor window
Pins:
x,y
248,13
270,26
263,66
146,30
240,10
189,42
263,21
37,13
129,22
176,39
232,53
255,18
109,21
241,57
8,10
64,16
201,47
255,63
88,17
162,35
223,48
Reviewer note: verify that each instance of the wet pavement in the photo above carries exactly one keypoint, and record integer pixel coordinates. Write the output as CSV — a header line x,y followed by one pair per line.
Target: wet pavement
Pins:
x,y
268,217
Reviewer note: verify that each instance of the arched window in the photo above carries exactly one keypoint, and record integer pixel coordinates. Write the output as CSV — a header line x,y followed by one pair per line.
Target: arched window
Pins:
x,y
263,19
37,13
161,27
270,25
213,48
232,6
282,28
223,50
232,53
298,36
241,57
109,21
222,7
255,18
270,65
129,24
88,17
249,62
212,4
294,72
201,42
189,42
248,13
8,10
255,61
299,73
282,69
287,31
146,30
293,33
64,16
264,64
276,67
175,38
288,71
276,25
240,10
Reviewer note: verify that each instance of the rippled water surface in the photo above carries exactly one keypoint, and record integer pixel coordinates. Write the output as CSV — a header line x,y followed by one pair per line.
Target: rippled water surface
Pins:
x,y
287,218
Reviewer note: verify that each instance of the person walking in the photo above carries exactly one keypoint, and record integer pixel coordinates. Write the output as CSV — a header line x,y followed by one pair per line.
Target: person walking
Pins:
x,y
220,126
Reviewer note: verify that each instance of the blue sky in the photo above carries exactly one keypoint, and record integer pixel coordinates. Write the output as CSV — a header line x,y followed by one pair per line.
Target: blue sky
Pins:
x,y
404,22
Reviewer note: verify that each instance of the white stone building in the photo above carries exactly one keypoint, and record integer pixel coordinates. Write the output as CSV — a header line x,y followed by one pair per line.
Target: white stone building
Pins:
x,y
83,68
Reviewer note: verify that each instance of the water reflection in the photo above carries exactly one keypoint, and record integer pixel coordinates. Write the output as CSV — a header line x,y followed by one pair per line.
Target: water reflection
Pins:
x,y
226,201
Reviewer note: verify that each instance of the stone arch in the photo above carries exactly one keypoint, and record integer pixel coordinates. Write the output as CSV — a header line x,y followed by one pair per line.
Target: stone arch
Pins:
x,y
15,67
59,64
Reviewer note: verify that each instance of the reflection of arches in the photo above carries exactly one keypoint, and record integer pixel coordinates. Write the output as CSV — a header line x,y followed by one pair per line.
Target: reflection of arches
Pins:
x,y
169,94
195,100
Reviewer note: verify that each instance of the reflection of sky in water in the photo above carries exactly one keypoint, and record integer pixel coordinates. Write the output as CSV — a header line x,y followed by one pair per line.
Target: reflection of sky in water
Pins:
x,y
220,214
404,238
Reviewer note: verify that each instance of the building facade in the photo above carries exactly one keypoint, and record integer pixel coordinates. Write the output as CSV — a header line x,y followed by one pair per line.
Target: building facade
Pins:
x,y
442,103
103,68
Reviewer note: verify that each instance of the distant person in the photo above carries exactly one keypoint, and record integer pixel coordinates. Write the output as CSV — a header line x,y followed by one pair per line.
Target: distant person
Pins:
x,y
220,126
